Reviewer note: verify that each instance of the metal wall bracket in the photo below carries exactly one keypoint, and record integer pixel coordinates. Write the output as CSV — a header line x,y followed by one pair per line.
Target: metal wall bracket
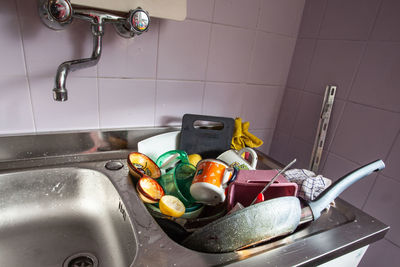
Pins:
x,y
322,129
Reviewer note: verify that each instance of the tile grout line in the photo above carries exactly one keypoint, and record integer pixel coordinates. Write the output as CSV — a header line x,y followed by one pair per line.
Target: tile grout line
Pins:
x,y
184,80
328,148
253,47
363,54
291,135
391,242
98,98
344,100
243,28
379,10
286,86
376,178
207,60
321,167
156,74
27,76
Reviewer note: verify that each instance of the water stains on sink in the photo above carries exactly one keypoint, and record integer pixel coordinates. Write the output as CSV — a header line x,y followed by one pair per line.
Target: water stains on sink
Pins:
x,y
48,214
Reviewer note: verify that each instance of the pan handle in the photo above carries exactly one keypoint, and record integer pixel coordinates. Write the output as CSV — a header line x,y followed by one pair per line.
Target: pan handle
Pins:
x,y
327,196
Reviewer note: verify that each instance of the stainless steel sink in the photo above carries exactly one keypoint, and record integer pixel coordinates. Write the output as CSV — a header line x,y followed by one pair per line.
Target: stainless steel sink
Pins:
x,y
61,206
62,217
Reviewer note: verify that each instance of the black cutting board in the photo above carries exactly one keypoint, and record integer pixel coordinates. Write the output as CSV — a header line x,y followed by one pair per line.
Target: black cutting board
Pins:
x,y
208,142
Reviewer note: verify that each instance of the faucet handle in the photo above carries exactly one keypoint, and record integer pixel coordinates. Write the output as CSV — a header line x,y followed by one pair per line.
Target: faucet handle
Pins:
x,y
138,21
55,14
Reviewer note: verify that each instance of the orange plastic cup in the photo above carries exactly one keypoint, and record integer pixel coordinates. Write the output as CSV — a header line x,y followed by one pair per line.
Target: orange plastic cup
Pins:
x,y
210,180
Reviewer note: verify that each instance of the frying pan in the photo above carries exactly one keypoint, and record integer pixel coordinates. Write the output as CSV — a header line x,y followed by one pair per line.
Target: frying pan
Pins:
x,y
269,219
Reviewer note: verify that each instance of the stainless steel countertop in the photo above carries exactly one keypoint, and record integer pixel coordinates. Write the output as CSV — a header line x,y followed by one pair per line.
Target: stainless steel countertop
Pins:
x,y
341,230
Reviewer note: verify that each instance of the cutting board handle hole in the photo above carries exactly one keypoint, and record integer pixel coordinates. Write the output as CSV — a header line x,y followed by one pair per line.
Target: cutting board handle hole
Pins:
x,y
213,125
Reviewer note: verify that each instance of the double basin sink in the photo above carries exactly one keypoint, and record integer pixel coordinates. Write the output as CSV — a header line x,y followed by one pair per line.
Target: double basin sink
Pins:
x,y
76,210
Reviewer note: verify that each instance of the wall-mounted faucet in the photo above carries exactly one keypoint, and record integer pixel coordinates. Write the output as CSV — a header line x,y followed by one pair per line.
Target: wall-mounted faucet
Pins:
x,y
57,14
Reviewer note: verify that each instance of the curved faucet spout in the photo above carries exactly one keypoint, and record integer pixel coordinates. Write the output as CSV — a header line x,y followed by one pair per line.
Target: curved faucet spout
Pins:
x,y
56,14
60,92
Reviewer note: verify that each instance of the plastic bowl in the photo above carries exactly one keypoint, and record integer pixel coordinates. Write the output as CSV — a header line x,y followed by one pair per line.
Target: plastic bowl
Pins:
x,y
141,165
177,182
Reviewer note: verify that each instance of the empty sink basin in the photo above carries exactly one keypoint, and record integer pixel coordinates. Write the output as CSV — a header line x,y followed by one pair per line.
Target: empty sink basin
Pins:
x,y
63,217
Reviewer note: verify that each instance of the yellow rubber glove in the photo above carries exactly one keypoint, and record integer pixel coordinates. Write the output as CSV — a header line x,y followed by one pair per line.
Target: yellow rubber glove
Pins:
x,y
242,137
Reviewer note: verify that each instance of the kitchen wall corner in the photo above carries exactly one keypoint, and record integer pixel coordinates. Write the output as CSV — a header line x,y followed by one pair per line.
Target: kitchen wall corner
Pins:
x,y
354,45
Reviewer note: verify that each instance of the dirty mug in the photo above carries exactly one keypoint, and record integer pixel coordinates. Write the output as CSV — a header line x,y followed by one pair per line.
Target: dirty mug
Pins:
x,y
234,159
210,180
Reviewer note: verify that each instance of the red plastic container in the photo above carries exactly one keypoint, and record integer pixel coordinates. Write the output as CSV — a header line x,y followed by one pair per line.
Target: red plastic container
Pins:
x,y
249,184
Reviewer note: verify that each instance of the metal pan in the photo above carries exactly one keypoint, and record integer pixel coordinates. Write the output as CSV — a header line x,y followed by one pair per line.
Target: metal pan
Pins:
x,y
269,219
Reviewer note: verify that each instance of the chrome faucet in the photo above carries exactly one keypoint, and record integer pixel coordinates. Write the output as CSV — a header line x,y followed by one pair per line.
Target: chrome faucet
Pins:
x,y
57,14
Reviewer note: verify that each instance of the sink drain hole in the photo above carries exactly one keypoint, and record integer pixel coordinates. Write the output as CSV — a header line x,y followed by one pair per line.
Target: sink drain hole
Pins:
x,y
81,260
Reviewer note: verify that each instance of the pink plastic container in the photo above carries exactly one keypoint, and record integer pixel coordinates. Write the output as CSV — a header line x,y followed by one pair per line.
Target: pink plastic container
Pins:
x,y
249,184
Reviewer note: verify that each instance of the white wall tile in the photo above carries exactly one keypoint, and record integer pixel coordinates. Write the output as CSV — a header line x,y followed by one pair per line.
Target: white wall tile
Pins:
x,y
301,62
383,203
223,99
381,253
335,167
11,52
80,112
175,98
15,106
365,134
271,59
130,58
307,117
46,49
313,14
126,103
281,16
235,13
377,81
266,136
289,110
171,50
200,10
279,149
387,22
230,53
261,105
334,62
392,162
349,20
301,151
183,50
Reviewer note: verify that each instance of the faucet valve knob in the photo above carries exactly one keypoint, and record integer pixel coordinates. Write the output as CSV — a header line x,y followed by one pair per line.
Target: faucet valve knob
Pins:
x,y
138,21
55,14
60,10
